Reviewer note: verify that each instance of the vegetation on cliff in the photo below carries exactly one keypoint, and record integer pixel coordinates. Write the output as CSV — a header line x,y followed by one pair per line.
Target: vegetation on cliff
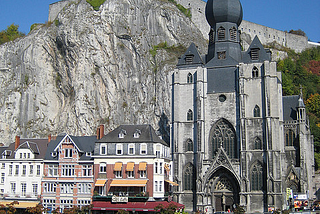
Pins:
x,y
303,70
10,34
96,3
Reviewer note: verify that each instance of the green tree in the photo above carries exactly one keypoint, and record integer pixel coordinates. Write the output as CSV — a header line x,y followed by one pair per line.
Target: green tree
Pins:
x,y
39,209
10,34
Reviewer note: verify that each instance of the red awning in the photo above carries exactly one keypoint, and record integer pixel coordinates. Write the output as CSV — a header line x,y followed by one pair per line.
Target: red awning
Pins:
x,y
137,206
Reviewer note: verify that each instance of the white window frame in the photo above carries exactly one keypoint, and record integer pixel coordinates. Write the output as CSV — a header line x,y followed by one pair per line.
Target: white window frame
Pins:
x,y
86,170
52,170
23,188
130,174
30,169
68,152
103,145
38,170
13,186
66,188
49,187
24,170
3,175
35,189
68,170
17,170
118,174
156,186
103,167
143,173
84,188
119,147
143,149
156,171
131,146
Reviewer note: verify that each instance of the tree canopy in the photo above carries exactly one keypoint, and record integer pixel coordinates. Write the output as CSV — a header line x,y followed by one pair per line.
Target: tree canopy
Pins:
x,y
10,34
304,70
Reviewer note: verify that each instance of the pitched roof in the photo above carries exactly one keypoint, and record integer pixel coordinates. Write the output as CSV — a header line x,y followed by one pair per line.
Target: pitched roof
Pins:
x,y
196,58
37,146
264,54
290,104
82,143
146,134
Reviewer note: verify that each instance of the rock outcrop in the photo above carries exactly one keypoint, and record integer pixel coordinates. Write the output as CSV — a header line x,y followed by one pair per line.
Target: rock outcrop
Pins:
x,y
90,67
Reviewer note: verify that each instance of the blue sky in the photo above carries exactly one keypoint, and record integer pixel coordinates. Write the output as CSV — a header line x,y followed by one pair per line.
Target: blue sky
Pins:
x,y
278,14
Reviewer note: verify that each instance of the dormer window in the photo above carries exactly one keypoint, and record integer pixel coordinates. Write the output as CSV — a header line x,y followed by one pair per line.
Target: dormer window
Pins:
x,y
221,33
189,58
68,153
137,133
53,154
122,133
103,149
233,34
254,53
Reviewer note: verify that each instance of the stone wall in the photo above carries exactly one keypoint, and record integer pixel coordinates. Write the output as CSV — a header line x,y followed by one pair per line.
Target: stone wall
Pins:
x,y
55,8
266,35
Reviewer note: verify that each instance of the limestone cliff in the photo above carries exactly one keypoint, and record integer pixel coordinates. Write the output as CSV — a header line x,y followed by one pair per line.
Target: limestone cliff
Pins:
x,y
89,67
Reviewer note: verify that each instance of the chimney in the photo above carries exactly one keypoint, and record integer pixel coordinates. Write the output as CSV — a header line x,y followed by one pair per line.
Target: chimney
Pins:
x,y
17,143
101,131
98,133
49,138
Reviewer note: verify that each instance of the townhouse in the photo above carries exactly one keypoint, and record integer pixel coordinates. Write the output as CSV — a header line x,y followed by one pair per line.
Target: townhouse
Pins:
x,y
68,172
132,168
21,169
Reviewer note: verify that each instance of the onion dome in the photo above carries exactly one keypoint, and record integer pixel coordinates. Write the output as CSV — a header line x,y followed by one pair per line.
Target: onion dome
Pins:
x,y
223,11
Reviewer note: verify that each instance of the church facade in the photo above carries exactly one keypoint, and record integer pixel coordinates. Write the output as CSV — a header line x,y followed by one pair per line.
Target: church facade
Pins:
x,y
236,140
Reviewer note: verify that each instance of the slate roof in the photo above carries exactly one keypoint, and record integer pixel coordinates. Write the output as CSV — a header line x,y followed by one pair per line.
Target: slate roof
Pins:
x,y
84,144
37,146
290,104
264,54
147,134
192,51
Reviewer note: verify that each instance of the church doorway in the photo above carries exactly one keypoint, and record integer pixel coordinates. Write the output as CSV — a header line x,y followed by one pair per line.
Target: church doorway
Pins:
x,y
224,191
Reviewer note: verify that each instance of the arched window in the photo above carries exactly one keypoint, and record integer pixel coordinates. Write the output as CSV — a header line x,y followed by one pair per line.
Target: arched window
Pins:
x,y
189,78
189,115
256,177
224,136
257,144
256,111
189,145
188,177
233,34
290,137
221,33
255,72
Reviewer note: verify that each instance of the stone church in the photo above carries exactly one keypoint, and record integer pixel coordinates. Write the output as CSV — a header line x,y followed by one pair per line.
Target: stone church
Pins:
x,y
236,140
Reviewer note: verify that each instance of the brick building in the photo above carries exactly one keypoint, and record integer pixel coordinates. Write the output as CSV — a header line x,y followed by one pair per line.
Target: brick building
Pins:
x,y
132,165
68,172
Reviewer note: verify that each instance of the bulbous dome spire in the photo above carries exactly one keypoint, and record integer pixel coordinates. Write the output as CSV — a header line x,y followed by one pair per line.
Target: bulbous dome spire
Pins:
x,y
223,11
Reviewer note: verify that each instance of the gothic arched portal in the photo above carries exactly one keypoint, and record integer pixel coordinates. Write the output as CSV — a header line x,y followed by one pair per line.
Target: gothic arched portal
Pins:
x,y
222,134
224,190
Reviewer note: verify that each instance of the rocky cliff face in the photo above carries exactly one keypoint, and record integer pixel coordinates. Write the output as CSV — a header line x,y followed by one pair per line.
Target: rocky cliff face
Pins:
x,y
90,67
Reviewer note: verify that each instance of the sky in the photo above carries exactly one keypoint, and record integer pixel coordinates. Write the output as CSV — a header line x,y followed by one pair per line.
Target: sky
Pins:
x,y
278,14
